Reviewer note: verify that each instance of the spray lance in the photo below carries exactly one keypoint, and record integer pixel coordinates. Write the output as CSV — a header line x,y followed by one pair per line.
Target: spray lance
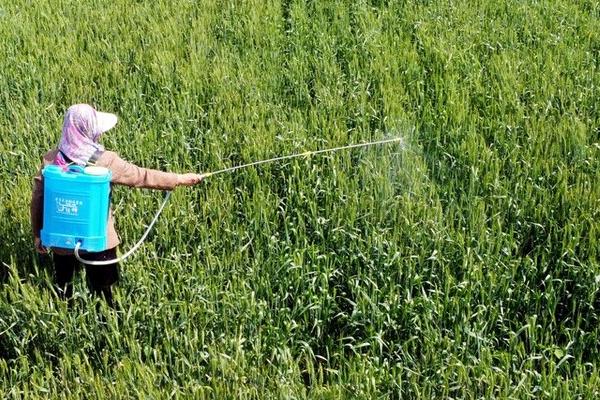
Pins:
x,y
77,213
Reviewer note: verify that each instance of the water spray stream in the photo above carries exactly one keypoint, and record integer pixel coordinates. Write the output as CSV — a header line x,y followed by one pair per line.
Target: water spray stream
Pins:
x,y
228,170
305,154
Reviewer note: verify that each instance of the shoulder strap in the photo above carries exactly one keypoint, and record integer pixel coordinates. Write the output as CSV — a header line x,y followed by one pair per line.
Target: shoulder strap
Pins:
x,y
67,159
91,161
95,157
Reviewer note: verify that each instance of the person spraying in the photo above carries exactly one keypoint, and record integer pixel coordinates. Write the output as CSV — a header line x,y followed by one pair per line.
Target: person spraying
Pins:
x,y
79,145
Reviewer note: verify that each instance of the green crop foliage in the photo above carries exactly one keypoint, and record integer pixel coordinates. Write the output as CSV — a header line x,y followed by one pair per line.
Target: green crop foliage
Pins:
x,y
463,263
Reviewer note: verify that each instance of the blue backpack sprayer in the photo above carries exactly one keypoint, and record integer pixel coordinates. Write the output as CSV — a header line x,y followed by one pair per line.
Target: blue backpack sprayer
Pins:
x,y
77,201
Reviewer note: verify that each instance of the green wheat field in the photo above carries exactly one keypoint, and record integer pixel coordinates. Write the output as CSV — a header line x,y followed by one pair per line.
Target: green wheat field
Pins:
x,y
461,262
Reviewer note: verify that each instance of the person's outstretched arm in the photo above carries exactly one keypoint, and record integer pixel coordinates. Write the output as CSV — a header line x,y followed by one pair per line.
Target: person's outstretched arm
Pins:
x,y
129,174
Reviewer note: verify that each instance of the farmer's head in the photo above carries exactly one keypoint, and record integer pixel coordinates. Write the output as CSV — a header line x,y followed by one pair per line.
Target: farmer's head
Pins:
x,y
82,127
84,121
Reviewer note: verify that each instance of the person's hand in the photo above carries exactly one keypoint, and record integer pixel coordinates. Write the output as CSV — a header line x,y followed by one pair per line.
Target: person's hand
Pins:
x,y
189,179
39,247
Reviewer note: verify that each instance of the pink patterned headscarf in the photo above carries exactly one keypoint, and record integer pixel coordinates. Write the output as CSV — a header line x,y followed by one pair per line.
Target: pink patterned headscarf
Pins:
x,y
82,128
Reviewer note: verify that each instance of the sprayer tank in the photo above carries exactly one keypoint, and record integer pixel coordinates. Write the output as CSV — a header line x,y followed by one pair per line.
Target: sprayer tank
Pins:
x,y
76,206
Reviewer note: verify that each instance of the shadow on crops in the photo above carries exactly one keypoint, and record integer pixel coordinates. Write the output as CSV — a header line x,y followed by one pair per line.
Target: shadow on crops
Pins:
x,y
16,248
43,334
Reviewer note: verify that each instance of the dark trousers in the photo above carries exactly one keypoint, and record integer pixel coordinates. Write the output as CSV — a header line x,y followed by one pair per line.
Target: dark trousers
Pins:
x,y
99,278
